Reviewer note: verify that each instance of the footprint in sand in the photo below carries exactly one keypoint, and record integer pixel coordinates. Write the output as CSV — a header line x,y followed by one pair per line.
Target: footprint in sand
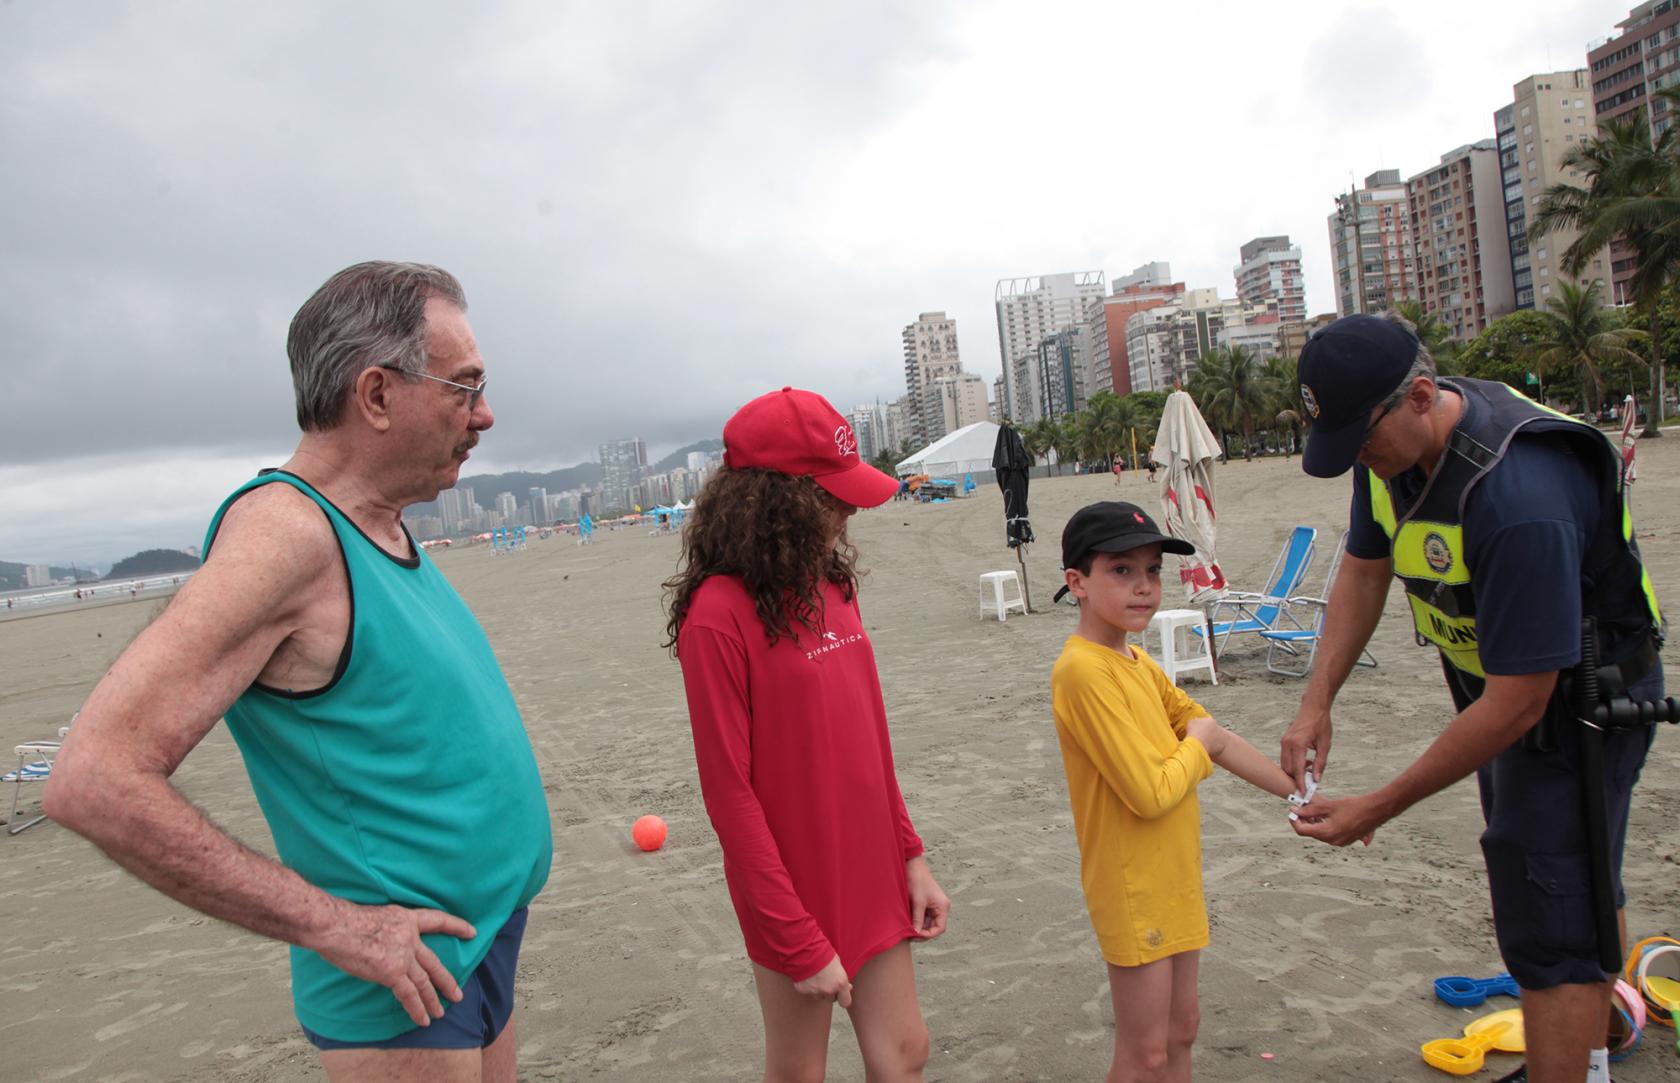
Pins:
x,y
141,1018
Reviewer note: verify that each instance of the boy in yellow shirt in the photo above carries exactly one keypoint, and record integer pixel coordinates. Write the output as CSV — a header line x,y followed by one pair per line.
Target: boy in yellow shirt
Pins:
x,y
1135,747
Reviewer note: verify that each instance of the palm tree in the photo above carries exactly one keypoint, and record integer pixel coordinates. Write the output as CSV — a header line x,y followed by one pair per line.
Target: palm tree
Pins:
x,y
1632,193
1068,442
1580,337
1283,395
1104,425
888,458
1434,335
1229,386
1040,437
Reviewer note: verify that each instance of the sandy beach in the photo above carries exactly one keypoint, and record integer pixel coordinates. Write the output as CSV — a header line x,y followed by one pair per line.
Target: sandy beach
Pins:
x,y
633,968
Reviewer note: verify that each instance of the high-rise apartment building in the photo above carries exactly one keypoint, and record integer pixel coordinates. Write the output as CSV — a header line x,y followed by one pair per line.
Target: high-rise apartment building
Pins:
x,y
1165,343
623,463
1150,286
507,509
1029,311
1642,58
1463,256
37,575
1371,246
1058,374
1626,71
455,510
1252,327
1268,273
930,352
952,402
1549,114
895,426
869,425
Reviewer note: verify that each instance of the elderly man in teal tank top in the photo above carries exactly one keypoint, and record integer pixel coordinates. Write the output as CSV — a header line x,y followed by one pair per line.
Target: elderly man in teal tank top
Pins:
x,y
351,676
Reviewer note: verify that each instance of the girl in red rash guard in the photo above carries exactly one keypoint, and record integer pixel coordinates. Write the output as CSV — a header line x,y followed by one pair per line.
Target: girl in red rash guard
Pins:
x,y
790,735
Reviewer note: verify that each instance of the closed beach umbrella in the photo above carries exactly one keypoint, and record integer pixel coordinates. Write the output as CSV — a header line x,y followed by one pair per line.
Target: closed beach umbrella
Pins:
x,y
1630,410
1011,463
1186,448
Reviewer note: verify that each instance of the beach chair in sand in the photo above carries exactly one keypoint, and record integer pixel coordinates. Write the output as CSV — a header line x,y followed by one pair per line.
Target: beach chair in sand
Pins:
x,y
1237,612
35,761
1291,650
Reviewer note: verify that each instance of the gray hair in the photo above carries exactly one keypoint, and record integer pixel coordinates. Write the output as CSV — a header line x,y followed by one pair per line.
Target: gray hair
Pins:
x,y
1422,364
364,316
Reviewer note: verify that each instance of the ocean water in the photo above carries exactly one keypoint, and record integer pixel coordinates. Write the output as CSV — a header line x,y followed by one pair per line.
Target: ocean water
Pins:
x,y
104,590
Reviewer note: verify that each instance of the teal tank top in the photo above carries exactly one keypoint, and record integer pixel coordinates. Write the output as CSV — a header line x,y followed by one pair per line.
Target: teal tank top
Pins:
x,y
407,779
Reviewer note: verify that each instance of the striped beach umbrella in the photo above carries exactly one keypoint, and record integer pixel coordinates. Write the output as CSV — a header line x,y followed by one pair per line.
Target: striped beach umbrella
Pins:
x,y
1186,448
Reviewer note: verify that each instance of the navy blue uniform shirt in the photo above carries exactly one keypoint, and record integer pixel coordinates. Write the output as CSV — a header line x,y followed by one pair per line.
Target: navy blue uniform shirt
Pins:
x,y
1527,525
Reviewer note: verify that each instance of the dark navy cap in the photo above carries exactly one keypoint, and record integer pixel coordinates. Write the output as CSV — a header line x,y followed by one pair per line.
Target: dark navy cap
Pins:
x,y
1113,526
1346,370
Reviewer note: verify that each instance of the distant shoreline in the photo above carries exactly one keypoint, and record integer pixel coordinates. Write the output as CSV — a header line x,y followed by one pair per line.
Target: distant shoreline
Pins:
x,y
35,602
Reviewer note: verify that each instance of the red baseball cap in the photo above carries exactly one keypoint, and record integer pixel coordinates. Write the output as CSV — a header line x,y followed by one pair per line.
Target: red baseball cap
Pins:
x,y
799,433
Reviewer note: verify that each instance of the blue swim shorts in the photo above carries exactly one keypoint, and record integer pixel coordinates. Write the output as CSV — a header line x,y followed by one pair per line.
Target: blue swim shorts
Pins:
x,y
476,1020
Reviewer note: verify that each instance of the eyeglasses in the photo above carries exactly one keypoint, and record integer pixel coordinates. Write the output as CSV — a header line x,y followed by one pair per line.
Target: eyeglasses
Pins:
x,y
474,392
1371,429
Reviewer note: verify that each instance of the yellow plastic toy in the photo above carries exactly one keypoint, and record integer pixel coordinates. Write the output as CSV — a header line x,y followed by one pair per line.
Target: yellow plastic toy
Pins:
x,y
1500,1031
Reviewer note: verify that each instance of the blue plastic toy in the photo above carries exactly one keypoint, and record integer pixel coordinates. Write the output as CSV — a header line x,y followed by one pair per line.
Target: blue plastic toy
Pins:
x,y
1468,992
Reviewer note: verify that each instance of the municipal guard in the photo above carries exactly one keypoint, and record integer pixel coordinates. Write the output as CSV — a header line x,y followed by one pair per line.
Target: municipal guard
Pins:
x,y
1506,524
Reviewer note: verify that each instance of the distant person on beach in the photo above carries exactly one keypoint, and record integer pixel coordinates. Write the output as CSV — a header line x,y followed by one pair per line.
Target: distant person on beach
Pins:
x,y
1135,747
1506,526
353,679
790,734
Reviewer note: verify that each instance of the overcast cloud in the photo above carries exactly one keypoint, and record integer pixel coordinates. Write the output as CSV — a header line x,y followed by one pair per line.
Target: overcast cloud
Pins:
x,y
657,210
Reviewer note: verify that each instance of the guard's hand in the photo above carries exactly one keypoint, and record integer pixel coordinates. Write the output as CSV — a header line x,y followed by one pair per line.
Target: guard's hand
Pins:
x,y
829,983
1309,732
382,944
930,907
1340,820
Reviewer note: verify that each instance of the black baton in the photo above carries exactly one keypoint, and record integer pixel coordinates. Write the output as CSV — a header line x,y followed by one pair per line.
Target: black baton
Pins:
x,y
1592,796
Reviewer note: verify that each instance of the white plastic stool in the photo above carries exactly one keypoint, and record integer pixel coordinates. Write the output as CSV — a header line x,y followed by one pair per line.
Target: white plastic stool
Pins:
x,y
998,601
1180,650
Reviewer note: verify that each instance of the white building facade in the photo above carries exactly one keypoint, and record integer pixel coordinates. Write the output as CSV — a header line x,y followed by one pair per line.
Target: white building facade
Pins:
x,y
930,352
1029,311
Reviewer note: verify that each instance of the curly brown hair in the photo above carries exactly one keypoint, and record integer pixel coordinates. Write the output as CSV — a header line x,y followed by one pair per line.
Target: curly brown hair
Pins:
x,y
770,530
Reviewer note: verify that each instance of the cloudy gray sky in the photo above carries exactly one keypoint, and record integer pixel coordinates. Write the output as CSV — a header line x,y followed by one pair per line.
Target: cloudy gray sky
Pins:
x,y
658,210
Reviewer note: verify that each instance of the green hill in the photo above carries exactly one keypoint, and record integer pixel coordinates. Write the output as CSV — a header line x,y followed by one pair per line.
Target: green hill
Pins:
x,y
153,562
518,482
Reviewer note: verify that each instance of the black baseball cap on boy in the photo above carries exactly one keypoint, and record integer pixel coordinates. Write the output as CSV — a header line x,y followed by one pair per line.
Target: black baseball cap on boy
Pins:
x,y
1346,370
1113,526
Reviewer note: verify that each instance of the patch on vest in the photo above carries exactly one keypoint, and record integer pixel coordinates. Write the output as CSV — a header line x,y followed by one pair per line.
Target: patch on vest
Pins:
x,y
1437,553
1309,400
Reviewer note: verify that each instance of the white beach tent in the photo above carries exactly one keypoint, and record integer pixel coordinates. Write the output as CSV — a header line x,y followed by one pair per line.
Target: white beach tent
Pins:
x,y
965,451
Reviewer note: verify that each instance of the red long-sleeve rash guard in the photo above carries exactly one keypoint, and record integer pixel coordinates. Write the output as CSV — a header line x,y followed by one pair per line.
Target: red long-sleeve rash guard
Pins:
x,y
796,768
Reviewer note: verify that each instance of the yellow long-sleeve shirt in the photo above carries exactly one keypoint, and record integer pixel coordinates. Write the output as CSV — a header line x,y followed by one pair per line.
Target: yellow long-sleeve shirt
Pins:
x,y
1132,776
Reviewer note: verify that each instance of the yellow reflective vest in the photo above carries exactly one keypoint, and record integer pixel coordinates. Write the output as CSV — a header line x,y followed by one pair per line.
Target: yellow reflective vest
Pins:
x,y
1427,538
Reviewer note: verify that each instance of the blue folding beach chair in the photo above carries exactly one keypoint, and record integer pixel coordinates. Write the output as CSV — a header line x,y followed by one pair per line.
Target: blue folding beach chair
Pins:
x,y
1239,611
1291,650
